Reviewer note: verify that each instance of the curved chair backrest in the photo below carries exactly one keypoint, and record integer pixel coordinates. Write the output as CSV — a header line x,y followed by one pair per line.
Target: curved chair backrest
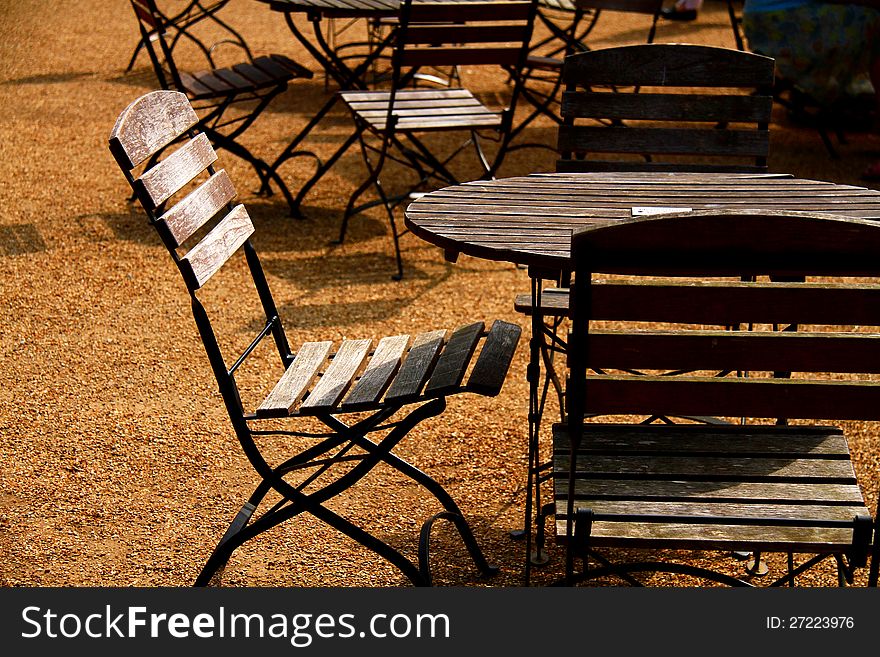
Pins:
x,y
671,107
803,257
191,206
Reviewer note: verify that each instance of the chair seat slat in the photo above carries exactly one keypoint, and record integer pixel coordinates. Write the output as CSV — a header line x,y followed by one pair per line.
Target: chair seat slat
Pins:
x,y
494,360
751,492
296,379
337,379
416,368
379,372
450,369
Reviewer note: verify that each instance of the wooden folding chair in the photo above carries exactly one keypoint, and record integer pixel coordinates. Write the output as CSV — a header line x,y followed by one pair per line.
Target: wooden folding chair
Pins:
x,y
228,99
393,124
367,396
648,295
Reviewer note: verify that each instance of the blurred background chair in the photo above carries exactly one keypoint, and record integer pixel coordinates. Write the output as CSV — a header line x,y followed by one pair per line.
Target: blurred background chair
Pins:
x,y
399,124
228,99
347,406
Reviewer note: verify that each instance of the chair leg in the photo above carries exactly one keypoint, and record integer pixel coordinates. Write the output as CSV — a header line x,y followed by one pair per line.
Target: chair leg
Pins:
x,y
295,502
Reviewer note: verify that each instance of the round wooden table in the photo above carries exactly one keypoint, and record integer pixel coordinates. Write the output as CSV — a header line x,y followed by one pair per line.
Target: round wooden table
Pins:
x,y
528,220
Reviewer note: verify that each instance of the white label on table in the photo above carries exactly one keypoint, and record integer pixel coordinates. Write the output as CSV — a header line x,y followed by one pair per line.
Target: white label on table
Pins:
x,y
648,210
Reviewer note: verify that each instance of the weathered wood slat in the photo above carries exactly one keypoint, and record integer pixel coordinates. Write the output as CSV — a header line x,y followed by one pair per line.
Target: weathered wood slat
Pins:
x,y
684,439
404,94
699,468
195,88
646,106
296,379
234,79
792,512
729,303
148,125
734,397
670,141
464,112
338,377
212,81
379,372
718,537
416,368
734,350
161,182
751,492
450,369
469,11
200,205
461,56
684,67
590,165
206,257
402,105
492,364
457,33
554,303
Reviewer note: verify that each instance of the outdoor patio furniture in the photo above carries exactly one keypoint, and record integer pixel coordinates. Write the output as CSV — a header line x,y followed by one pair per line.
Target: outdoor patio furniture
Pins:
x,y
528,220
756,484
228,99
674,107
340,409
179,23
398,124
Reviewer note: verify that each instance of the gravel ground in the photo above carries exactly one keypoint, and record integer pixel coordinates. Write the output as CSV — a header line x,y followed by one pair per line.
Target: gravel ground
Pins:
x,y
118,464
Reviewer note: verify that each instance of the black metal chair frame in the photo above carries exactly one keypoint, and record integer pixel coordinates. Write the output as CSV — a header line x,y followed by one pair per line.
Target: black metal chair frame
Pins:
x,y
180,23
213,105
354,447
405,147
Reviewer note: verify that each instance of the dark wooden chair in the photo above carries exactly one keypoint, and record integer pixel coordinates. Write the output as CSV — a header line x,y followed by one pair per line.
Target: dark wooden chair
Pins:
x,y
396,124
673,107
349,403
662,285
228,99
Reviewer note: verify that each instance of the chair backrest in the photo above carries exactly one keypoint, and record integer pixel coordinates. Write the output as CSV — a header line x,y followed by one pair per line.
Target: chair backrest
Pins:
x,y
671,107
449,34
671,281
190,204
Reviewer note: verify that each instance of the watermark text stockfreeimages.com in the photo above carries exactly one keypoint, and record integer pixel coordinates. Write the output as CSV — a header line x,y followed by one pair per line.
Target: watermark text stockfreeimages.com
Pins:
x,y
300,629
